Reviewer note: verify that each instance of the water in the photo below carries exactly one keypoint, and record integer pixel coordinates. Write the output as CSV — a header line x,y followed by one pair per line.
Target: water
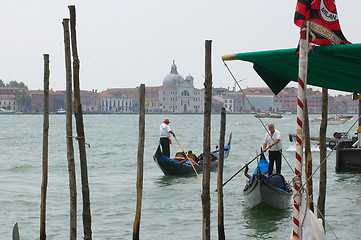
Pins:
x,y
171,206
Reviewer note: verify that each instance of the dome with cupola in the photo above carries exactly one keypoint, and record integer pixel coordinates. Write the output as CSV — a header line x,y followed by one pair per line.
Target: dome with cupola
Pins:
x,y
189,79
173,79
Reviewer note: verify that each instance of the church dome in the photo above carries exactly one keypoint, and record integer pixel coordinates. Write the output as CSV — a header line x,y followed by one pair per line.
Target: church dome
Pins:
x,y
189,79
173,78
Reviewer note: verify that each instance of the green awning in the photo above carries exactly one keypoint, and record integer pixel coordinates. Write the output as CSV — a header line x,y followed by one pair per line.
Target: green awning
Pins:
x,y
335,67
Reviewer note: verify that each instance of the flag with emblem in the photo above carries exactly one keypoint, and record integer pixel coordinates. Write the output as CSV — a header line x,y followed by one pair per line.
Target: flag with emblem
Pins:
x,y
323,21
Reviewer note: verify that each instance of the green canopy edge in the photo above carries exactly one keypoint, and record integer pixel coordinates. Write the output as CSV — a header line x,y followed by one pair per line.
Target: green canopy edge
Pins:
x,y
335,67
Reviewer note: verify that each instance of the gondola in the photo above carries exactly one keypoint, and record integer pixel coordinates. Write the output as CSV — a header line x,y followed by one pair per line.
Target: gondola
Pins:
x,y
273,191
176,166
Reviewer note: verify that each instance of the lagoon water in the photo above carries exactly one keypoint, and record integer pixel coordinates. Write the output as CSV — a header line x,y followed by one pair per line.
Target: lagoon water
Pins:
x,y
171,206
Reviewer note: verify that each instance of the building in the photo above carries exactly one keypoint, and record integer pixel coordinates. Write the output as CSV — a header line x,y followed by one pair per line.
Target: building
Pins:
x,y
8,102
152,105
115,102
90,101
178,95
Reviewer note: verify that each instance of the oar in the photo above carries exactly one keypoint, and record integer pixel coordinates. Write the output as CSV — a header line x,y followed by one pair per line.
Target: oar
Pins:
x,y
187,156
229,179
16,235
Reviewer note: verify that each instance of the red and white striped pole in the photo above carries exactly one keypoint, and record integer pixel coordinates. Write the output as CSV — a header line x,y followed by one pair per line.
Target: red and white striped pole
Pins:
x,y
302,85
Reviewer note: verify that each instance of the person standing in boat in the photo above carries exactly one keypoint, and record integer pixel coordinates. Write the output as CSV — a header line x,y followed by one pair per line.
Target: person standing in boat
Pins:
x,y
273,141
165,141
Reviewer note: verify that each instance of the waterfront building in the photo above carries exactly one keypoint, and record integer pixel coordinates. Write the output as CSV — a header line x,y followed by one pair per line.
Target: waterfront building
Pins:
x,y
90,101
178,95
8,102
115,102
152,105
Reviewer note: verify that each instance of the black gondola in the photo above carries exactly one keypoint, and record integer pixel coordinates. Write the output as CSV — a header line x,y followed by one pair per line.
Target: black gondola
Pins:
x,y
174,166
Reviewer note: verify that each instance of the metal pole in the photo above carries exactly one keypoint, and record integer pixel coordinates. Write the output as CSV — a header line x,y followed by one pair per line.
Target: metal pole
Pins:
x,y
302,83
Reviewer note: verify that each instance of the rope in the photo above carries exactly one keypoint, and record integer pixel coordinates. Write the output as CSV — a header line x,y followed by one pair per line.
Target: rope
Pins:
x,y
296,180
252,107
318,167
77,138
308,199
313,173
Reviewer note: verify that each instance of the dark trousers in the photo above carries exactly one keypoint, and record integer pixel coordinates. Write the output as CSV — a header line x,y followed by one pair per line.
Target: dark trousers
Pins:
x,y
274,156
164,142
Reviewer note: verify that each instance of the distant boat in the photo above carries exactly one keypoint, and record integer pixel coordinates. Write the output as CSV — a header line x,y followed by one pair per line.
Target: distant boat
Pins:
x,y
331,142
268,115
61,111
345,116
8,112
335,120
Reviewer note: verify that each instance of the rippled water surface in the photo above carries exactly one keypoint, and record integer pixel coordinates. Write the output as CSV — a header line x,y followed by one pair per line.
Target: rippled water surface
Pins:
x,y
171,206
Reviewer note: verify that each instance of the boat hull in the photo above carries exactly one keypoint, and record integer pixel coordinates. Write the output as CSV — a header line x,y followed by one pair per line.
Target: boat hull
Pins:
x,y
174,167
348,158
261,191
171,166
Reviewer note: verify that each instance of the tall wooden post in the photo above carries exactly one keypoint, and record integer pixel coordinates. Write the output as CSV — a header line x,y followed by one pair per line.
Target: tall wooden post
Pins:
x,y
206,203
80,129
323,164
69,133
221,233
44,184
308,160
136,226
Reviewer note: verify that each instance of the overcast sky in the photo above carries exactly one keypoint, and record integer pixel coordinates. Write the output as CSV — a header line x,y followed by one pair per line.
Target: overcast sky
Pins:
x,y
124,43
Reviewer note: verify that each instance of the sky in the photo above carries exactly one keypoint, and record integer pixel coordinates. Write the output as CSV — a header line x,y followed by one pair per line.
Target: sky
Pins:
x,y
125,43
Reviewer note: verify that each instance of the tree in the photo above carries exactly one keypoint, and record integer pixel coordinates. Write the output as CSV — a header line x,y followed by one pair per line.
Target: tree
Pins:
x,y
23,99
22,85
56,103
14,84
2,84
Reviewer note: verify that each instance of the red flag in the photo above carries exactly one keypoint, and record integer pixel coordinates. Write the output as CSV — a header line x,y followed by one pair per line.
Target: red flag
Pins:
x,y
323,21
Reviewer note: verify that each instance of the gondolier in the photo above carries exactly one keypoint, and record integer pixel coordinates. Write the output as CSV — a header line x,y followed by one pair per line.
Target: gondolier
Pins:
x,y
273,140
165,132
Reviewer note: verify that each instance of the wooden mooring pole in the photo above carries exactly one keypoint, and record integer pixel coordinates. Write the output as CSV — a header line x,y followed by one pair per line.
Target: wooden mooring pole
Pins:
x,y
80,129
221,233
206,199
69,133
308,159
44,184
140,156
323,153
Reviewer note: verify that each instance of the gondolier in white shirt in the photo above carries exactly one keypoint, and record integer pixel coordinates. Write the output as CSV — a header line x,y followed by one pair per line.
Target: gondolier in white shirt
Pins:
x,y
273,140
165,141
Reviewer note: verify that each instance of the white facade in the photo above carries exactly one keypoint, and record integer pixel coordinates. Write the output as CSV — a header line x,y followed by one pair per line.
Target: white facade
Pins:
x,y
9,102
116,104
178,95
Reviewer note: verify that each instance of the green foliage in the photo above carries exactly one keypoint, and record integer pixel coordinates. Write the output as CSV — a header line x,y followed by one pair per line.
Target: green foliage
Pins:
x,y
56,103
13,84
23,99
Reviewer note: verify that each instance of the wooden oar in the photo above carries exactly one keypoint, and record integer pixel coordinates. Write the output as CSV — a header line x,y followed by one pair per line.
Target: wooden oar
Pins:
x,y
229,179
186,156
16,235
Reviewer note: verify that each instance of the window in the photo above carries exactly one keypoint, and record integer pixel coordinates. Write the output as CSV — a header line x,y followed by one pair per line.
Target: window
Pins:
x,y
185,93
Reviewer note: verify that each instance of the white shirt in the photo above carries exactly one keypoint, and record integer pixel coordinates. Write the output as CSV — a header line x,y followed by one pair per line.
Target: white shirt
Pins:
x,y
268,140
164,130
